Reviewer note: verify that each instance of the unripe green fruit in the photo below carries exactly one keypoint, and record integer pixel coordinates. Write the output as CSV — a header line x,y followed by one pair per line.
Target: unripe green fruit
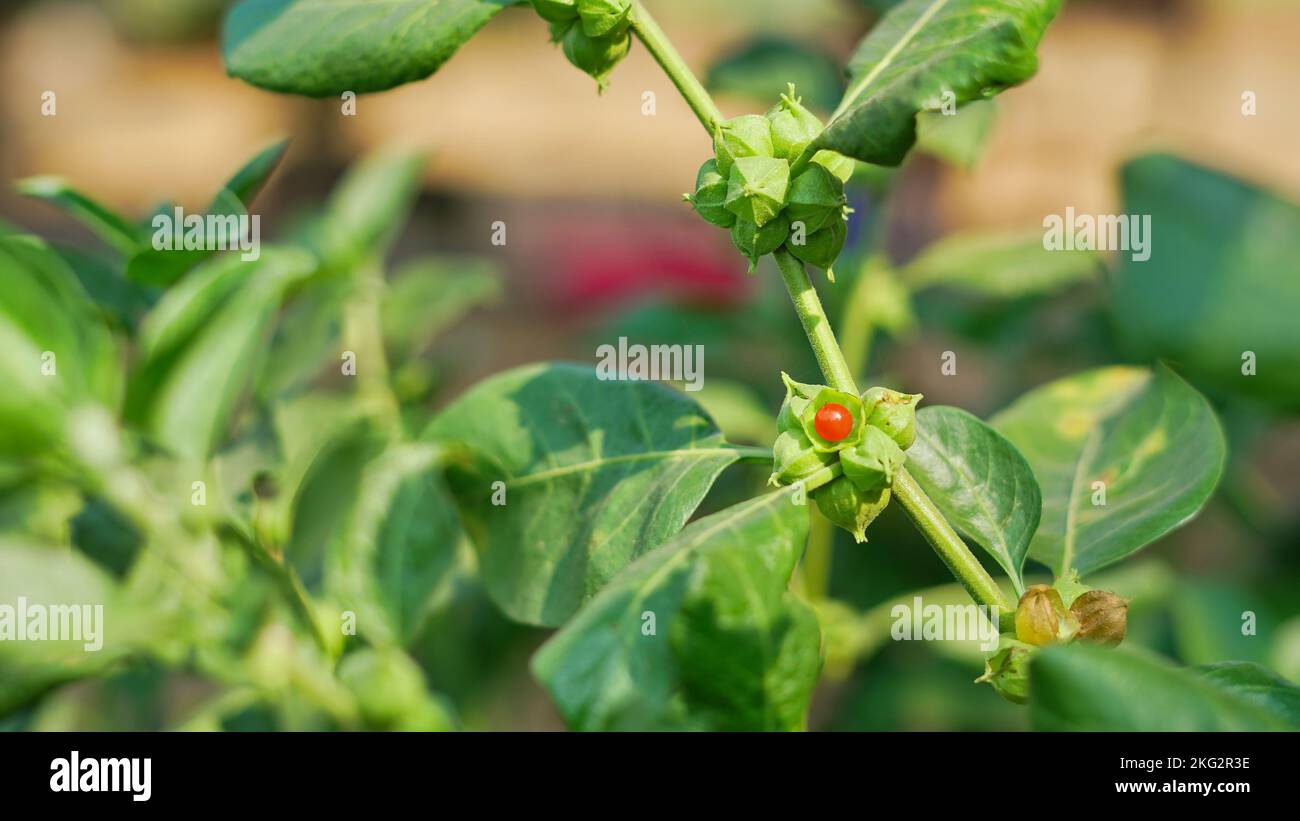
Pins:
x,y
1039,616
595,55
850,508
602,18
851,403
821,248
749,135
709,199
793,458
756,188
836,163
556,11
894,413
797,397
754,241
1102,617
873,462
793,126
816,198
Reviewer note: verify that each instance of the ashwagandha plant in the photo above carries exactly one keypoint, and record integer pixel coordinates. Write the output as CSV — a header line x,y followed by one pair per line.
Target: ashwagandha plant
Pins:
x,y
577,494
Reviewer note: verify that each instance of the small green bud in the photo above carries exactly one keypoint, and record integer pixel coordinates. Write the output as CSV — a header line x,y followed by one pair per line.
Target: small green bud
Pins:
x,y
1102,617
754,241
793,458
602,18
1040,616
1007,670
556,11
709,199
793,126
816,198
873,462
836,163
825,396
596,56
797,397
821,248
756,188
894,413
748,135
850,508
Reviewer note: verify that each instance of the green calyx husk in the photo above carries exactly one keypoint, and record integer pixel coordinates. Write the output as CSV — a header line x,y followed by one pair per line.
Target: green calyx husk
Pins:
x,y
821,248
556,11
756,188
850,508
710,197
748,135
793,126
836,163
873,462
755,241
597,56
603,18
815,198
825,396
894,413
794,458
797,397
1007,670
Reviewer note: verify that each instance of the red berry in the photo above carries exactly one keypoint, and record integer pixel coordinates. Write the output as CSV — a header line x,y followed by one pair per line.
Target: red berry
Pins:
x,y
833,422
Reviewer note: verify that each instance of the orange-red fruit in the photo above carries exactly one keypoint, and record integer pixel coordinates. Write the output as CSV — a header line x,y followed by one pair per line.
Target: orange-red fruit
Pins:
x,y
833,422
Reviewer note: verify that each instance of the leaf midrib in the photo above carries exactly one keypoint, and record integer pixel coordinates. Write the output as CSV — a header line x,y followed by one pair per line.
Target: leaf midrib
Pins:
x,y
595,464
859,87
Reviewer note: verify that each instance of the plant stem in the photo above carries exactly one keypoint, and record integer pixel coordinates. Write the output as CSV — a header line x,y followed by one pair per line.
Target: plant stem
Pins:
x,y
815,324
747,453
951,549
657,43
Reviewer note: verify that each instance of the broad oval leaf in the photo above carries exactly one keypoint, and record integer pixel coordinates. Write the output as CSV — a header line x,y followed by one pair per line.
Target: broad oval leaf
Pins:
x,y
1221,282
1084,687
1255,683
1123,456
1004,266
700,634
980,482
320,48
593,473
922,49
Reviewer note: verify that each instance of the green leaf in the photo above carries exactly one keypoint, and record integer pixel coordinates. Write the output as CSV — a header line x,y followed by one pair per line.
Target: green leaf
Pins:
x,y
921,49
1221,279
958,137
428,295
47,575
201,344
58,352
730,648
396,545
1256,683
1004,266
369,206
1087,688
151,265
595,474
980,482
320,48
1148,437
114,229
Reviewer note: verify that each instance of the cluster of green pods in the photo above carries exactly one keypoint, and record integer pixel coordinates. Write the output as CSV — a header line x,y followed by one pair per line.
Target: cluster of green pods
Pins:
x,y
593,33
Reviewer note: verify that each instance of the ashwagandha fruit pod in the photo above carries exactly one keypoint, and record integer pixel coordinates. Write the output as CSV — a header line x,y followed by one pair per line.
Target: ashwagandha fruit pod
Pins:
x,y
1102,617
1007,670
747,187
593,33
820,426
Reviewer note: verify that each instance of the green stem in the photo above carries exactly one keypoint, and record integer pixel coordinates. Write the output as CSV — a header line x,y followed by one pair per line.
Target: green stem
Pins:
x,y
951,549
747,453
815,324
657,43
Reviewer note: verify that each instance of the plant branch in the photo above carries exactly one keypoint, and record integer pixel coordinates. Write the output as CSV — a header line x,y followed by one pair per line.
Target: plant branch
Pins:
x,y
657,43
815,324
